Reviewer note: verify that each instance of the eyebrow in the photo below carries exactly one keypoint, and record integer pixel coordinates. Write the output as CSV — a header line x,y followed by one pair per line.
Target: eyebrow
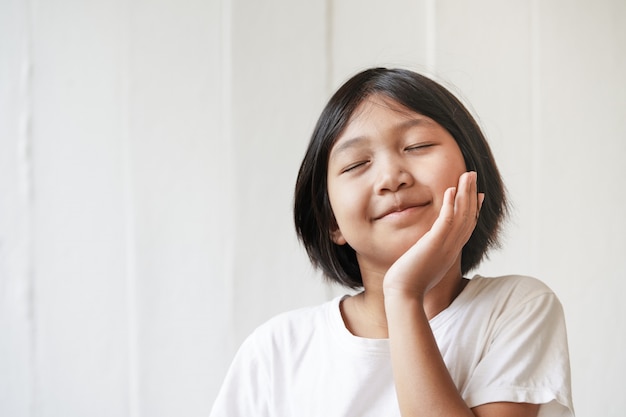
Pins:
x,y
414,121
348,144
357,140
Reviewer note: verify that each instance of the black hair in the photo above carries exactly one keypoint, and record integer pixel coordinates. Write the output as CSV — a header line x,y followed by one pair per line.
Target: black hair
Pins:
x,y
313,216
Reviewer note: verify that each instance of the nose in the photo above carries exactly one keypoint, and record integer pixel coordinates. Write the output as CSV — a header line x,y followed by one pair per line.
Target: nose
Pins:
x,y
392,175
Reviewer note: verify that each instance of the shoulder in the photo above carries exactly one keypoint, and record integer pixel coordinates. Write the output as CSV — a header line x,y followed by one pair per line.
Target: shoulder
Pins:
x,y
294,318
523,344
293,328
267,359
511,298
512,282
519,288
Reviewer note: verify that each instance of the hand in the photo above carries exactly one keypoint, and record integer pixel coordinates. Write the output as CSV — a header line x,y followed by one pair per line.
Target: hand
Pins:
x,y
426,262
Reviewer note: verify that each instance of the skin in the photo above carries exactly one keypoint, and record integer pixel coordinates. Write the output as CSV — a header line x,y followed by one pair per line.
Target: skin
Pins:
x,y
402,198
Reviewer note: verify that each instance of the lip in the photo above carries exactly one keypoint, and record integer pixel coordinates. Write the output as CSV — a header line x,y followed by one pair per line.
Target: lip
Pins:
x,y
400,211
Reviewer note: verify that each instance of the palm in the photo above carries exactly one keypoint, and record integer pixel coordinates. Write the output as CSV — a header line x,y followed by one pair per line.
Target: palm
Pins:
x,y
426,262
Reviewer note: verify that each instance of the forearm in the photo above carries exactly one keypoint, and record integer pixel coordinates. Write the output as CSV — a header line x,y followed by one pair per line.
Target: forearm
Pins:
x,y
423,383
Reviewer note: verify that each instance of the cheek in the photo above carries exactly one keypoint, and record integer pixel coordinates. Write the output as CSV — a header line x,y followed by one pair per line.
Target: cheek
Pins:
x,y
338,207
449,172
341,204
347,206
335,205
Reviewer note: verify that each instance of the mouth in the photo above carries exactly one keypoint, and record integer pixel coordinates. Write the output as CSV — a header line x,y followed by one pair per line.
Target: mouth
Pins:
x,y
401,211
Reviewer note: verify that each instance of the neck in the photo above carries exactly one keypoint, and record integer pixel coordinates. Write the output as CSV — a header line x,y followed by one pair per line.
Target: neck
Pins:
x,y
364,314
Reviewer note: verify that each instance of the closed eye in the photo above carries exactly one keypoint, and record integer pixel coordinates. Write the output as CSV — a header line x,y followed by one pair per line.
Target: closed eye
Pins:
x,y
354,166
419,146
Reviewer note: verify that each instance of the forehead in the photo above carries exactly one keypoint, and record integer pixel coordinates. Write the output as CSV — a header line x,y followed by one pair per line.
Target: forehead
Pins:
x,y
378,113
379,102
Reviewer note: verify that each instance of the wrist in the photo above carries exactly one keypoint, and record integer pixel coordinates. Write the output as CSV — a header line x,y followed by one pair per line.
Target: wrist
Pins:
x,y
402,308
403,289
402,295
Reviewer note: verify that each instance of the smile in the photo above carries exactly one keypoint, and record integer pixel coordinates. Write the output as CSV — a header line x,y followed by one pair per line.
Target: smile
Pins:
x,y
401,212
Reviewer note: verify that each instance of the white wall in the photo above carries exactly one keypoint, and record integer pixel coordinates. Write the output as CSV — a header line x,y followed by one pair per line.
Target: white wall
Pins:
x,y
148,151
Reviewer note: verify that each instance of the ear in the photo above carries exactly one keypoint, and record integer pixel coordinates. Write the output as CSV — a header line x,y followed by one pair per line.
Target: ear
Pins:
x,y
337,237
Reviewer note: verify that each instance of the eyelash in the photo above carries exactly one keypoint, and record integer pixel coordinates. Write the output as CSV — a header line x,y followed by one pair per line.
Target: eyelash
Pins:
x,y
408,148
354,166
418,147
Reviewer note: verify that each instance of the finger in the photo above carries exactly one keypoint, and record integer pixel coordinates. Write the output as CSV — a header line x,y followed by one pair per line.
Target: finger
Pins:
x,y
466,208
466,199
481,200
445,220
473,204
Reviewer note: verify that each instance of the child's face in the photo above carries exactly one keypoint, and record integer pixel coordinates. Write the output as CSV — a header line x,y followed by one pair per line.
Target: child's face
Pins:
x,y
387,173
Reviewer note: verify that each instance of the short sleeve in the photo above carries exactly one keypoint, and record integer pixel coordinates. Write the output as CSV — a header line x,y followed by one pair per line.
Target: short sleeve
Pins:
x,y
527,359
244,391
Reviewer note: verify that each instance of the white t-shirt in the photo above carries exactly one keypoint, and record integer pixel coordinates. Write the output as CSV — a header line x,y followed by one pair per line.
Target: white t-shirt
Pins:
x,y
502,339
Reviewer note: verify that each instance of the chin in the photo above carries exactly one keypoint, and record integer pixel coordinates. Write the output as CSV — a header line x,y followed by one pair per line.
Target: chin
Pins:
x,y
403,244
409,237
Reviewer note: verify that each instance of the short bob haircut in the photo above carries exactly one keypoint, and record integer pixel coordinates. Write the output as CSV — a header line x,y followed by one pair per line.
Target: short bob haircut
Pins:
x,y
313,216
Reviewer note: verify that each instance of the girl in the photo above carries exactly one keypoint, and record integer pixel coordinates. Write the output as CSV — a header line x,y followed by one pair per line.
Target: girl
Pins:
x,y
398,195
